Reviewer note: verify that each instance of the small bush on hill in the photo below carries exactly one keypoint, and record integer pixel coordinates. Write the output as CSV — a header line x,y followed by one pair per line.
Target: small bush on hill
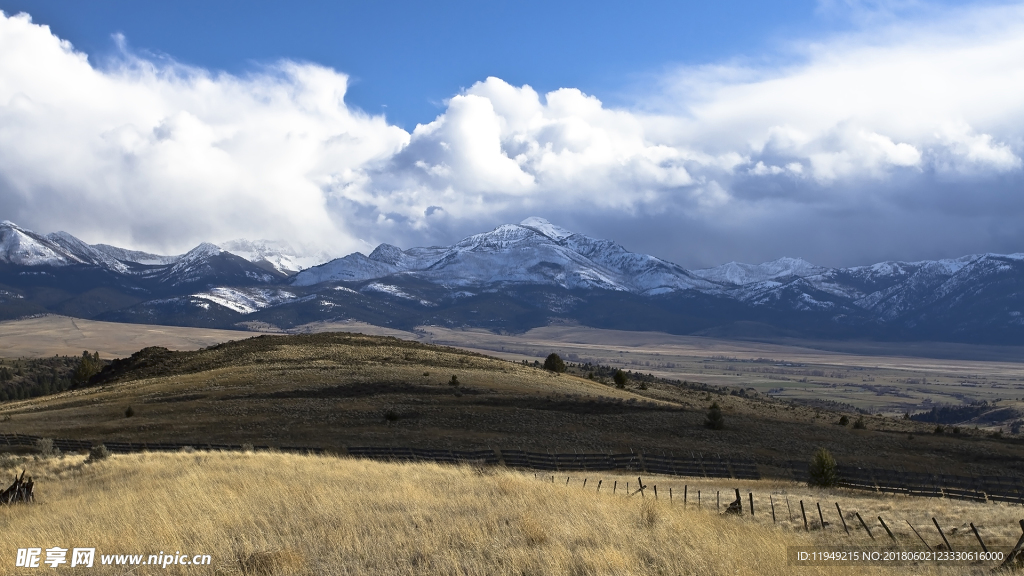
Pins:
x,y
554,363
98,452
45,447
620,378
823,470
715,420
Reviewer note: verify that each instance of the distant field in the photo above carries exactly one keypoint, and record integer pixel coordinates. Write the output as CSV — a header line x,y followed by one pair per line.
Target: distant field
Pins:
x,y
273,513
889,379
878,377
49,335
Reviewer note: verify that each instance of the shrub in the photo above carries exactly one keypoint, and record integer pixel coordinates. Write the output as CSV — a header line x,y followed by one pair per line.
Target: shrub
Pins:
x,y
45,447
129,412
620,378
391,415
939,429
715,420
98,452
554,363
843,421
454,381
859,424
823,470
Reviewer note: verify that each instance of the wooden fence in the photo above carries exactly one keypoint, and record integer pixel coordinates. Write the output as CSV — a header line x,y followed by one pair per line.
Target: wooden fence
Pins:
x,y
977,488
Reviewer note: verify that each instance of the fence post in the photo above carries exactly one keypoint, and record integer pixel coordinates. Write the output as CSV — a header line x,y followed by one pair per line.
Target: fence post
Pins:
x,y
862,523
669,494
566,480
980,541
751,504
655,491
718,501
685,487
926,545
698,499
789,511
599,485
804,514
840,511
1013,553
772,502
820,517
939,528
887,531
584,482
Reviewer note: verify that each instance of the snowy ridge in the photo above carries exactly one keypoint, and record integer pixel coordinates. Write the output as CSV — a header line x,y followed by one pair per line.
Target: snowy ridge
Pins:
x,y
278,254
26,248
979,291
533,252
135,256
740,274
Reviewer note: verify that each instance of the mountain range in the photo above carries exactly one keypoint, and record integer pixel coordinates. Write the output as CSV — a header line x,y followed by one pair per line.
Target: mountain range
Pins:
x,y
513,278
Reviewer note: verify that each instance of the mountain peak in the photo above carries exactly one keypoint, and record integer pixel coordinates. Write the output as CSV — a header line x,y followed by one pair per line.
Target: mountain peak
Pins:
x,y
388,254
546,228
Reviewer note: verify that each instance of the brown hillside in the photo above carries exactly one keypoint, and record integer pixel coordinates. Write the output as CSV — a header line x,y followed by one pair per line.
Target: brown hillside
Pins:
x,y
337,390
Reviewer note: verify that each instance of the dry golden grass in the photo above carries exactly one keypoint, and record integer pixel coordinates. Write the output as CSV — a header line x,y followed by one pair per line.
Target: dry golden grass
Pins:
x,y
271,513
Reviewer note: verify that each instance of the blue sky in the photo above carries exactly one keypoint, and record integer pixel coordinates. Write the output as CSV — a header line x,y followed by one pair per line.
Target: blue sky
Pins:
x,y
842,131
412,56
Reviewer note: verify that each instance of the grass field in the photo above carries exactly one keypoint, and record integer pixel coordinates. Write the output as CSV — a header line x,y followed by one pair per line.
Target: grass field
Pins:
x,y
890,378
335,390
53,335
272,513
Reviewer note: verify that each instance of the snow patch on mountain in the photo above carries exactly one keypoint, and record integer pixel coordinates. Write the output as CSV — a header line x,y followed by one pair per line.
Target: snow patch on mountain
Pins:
x,y
245,301
394,291
546,228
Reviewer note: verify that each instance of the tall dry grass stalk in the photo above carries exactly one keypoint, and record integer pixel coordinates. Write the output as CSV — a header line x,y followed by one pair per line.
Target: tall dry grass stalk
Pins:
x,y
272,513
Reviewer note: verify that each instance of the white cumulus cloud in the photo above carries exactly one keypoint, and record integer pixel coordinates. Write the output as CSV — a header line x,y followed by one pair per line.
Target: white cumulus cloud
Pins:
x,y
897,124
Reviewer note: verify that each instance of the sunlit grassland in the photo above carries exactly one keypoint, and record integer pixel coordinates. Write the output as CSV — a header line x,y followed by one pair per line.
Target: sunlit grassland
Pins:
x,y
274,513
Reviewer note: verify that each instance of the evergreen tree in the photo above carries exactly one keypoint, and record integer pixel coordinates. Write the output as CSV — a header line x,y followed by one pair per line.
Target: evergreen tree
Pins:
x,y
620,378
88,366
823,470
554,363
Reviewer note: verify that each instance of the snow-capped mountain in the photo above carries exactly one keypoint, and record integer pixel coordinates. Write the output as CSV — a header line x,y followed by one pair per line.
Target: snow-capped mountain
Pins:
x,y
136,256
533,252
26,248
275,253
513,277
